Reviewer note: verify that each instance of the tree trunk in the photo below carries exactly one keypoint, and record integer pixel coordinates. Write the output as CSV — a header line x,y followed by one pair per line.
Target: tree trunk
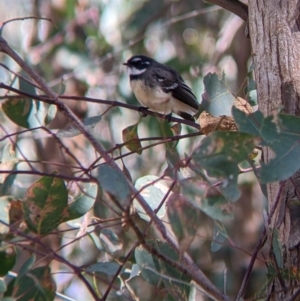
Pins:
x,y
275,38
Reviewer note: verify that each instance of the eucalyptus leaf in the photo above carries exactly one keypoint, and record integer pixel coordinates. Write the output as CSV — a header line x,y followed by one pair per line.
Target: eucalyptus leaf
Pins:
x,y
146,264
71,131
109,268
153,191
114,183
220,153
282,133
248,123
131,138
44,204
37,284
218,100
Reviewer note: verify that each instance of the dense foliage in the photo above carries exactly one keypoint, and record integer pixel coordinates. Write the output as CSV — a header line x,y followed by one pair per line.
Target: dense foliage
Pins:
x,y
102,203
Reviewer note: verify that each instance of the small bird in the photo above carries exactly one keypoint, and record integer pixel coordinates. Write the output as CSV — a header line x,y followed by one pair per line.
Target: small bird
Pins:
x,y
160,88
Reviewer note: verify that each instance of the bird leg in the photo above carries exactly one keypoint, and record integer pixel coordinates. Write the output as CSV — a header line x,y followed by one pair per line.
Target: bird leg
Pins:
x,y
169,116
142,111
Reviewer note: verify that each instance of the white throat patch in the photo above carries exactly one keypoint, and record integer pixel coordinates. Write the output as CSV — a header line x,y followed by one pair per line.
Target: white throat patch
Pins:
x,y
135,71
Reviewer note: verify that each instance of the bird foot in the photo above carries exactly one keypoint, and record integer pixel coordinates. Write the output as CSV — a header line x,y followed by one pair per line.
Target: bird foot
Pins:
x,y
142,111
168,117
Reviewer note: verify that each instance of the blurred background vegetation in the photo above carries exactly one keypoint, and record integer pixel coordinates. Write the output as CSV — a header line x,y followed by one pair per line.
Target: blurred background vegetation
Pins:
x,y
80,52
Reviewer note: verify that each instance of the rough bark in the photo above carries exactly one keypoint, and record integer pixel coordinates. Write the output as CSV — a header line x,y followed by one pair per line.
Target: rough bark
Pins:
x,y
275,38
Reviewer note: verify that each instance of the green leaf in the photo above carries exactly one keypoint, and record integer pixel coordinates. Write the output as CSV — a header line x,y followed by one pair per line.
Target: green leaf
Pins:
x,y
36,285
83,202
110,240
71,131
282,133
153,193
277,248
108,268
114,183
134,271
3,287
45,201
218,100
7,259
248,123
27,112
220,153
27,265
172,155
184,220
215,206
8,184
26,86
178,290
146,264
229,188
21,112
219,236
131,138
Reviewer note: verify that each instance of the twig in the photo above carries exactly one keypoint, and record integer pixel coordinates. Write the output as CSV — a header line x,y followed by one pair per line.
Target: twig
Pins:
x,y
189,267
40,173
22,19
55,256
261,242
105,295
112,103
238,8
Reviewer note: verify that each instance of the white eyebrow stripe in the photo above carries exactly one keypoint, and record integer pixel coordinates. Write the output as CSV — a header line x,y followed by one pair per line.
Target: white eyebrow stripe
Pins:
x,y
135,71
136,59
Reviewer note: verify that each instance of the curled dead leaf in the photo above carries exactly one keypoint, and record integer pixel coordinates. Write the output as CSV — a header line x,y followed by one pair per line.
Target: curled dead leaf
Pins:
x,y
209,123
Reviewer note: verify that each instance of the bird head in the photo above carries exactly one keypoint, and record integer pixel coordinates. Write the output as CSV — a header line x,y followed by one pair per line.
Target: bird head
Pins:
x,y
138,64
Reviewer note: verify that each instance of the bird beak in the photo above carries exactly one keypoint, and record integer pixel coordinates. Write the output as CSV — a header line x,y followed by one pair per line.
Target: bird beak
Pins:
x,y
125,64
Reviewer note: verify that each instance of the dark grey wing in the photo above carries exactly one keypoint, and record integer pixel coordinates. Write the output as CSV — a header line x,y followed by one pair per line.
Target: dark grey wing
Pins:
x,y
185,94
166,79
171,81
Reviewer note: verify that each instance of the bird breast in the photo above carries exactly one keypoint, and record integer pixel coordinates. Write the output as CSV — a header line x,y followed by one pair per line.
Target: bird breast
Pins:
x,y
153,98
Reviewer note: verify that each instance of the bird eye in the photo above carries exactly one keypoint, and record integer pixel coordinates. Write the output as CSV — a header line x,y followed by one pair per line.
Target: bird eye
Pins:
x,y
141,63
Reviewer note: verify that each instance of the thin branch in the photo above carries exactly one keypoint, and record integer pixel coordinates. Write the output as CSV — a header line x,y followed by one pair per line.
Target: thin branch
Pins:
x,y
22,19
295,296
189,267
39,173
260,244
49,252
112,103
105,295
238,8
192,14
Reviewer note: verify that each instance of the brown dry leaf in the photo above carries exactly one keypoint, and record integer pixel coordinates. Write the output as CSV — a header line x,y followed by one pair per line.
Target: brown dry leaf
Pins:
x,y
243,105
209,123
